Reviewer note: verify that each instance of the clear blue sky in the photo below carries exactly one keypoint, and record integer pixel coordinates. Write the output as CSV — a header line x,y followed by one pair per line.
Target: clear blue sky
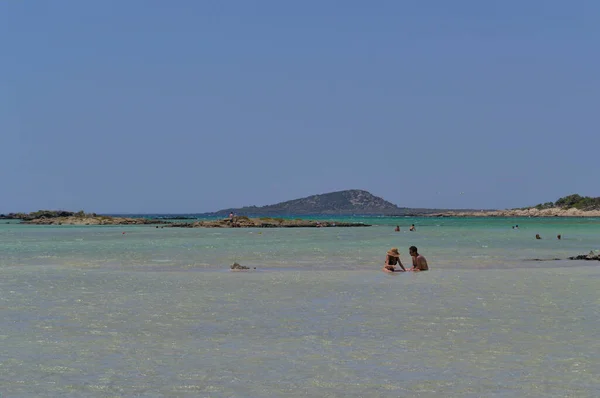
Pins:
x,y
193,106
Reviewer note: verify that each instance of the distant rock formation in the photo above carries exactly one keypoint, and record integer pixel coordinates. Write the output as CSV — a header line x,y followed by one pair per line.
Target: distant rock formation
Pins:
x,y
264,222
95,220
236,222
42,213
348,202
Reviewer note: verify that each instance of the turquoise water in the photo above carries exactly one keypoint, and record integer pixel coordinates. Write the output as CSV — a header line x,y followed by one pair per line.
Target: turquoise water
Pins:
x,y
90,311
447,243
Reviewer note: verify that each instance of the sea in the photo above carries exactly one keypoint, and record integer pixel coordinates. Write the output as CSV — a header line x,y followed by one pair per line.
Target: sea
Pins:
x,y
141,311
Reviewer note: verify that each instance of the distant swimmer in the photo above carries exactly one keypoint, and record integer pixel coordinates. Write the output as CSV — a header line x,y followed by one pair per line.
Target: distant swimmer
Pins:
x,y
397,229
412,228
419,262
393,258
537,236
559,237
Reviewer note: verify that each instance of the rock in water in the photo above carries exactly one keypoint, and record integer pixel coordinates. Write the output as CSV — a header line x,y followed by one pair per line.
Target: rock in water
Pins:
x,y
590,256
235,266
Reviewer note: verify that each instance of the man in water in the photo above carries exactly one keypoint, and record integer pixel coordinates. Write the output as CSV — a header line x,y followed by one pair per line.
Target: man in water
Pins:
x,y
412,228
419,262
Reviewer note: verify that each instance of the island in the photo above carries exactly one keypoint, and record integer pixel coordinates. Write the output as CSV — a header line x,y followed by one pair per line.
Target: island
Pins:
x,y
340,203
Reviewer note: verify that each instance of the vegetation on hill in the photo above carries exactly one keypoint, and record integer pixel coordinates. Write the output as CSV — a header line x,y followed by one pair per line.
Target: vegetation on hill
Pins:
x,y
572,201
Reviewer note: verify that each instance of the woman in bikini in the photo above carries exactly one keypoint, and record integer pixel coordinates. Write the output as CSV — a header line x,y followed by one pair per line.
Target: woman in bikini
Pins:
x,y
393,258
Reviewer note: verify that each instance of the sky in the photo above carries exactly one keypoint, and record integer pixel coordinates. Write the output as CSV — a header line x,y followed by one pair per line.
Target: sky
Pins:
x,y
193,106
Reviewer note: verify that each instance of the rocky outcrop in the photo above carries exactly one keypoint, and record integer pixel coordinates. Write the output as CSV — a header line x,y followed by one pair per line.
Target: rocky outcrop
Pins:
x,y
11,216
238,267
532,212
237,222
591,256
264,222
44,214
97,220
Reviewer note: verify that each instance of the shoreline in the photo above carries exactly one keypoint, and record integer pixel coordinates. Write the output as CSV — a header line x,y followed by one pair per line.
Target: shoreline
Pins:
x,y
515,213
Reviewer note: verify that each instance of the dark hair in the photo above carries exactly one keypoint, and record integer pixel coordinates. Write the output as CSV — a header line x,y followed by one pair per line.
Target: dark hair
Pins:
x,y
413,249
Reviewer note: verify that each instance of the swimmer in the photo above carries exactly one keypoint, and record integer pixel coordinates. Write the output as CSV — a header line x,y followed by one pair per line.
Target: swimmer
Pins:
x,y
412,228
419,262
392,258
397,229
559,237
537,236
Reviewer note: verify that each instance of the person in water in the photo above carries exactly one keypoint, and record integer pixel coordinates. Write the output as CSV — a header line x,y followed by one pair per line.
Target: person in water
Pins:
x,y
393,258
419,262
537,236
412,228
397,229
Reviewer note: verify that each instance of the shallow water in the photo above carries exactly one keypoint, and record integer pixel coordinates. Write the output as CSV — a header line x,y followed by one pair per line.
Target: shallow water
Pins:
x,y
447,243
88,311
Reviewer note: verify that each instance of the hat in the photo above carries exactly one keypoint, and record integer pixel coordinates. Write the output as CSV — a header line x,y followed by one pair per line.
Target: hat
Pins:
x,y
393,252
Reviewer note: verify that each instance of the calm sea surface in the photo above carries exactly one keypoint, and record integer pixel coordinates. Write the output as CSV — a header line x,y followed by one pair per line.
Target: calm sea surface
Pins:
x,y
155,312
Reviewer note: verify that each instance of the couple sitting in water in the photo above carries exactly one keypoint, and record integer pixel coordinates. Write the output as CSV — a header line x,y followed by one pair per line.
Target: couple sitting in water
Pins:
x,y
393,257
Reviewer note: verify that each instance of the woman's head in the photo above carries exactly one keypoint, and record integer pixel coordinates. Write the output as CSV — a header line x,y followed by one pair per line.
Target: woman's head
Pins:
x,y
393,252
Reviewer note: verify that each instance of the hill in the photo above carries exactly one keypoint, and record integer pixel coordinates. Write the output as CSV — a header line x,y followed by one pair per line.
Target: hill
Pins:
x,y
574,201
349,202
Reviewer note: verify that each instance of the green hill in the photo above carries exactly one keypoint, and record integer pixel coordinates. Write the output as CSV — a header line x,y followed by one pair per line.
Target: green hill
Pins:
x,y
573,201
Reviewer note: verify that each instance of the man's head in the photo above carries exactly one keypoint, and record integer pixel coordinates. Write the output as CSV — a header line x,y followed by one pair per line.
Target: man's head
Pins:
x,y
413,251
